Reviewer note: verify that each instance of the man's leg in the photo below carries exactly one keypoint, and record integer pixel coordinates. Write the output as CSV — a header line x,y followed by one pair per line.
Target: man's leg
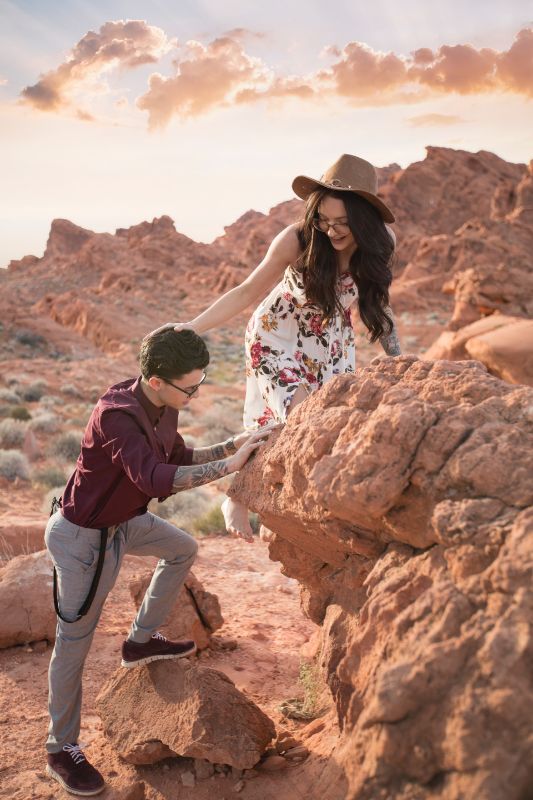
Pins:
x,y
74,551
152,536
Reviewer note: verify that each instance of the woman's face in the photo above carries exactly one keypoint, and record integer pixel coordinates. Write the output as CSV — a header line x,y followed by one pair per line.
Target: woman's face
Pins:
x,y
333,211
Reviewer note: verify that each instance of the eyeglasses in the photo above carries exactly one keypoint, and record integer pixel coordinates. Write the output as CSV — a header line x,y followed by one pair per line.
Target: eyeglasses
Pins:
x,y
323,226
188,392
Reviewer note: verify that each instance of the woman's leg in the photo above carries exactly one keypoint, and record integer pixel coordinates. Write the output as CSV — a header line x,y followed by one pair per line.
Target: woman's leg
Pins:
x,y
235,513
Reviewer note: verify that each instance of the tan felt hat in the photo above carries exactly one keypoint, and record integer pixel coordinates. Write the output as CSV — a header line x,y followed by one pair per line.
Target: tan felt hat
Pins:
x,y
347,174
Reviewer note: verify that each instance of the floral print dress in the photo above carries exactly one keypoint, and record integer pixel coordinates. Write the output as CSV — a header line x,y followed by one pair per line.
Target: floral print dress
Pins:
x,y
287,345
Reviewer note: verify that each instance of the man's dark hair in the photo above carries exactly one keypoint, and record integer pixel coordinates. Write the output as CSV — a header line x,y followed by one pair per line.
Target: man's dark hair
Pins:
x,y
172,354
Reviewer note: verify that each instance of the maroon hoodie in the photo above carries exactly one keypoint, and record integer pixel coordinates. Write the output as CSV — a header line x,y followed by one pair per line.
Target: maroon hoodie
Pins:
x,y
129,453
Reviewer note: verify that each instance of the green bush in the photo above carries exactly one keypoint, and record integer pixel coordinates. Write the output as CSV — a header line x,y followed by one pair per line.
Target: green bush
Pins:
x,y
67,446
19,412
34,392
12,433
14,464
212,522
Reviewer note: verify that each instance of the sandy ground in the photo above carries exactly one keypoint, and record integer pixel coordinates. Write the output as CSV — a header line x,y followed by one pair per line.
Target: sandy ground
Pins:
x,y
262,614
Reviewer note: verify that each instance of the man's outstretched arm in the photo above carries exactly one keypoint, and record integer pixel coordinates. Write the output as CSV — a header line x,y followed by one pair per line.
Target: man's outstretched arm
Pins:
x,y
215,452
198,474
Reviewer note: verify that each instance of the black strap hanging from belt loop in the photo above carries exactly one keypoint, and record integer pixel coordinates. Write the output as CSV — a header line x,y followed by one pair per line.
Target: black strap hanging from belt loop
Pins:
x,y
56,505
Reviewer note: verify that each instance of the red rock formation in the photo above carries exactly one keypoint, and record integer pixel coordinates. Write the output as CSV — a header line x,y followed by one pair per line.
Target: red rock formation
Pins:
x,y
196,613
181,709
400,498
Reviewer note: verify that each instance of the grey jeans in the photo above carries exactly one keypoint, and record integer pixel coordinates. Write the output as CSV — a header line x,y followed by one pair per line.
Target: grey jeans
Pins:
x,y
74,551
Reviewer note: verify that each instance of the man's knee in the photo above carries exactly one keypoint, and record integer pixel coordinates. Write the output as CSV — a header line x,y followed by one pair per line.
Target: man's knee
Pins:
x,y
187,548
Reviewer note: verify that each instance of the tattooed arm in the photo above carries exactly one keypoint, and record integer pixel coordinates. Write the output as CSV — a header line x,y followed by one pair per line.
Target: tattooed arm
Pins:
x,y
197,475
202,455
390,341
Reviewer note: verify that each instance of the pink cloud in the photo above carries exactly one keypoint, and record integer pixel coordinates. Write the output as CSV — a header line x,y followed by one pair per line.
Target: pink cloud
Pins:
x,y
124,44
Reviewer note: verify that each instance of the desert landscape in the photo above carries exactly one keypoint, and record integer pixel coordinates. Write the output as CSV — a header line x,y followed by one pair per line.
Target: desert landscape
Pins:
x,y
374,642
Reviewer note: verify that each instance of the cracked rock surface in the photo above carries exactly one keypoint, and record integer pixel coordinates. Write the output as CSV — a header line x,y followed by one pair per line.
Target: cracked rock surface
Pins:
x,y
400,498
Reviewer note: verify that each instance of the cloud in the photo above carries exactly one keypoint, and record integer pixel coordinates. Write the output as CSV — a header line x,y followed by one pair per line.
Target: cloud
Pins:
x,y
424,120
207,76
363,74
119,44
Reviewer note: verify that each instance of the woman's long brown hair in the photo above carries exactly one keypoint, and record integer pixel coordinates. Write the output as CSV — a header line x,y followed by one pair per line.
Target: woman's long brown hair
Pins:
x,y
370,264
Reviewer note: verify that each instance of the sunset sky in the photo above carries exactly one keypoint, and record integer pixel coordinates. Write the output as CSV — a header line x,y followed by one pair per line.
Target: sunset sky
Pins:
x,y
117,112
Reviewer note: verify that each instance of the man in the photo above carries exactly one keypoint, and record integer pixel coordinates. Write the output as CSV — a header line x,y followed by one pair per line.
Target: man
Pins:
x,y
131,452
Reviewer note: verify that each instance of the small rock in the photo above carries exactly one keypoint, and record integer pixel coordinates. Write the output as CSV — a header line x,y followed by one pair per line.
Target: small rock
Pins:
x,y
239,786
272,764
236,774
297,752
166,767
188,779
219,768
40,647
203,769
250,773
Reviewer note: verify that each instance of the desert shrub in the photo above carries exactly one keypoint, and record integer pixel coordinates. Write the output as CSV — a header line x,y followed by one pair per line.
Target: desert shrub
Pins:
x,y
33,392
30,338
48,476
14,464
45,422
220,422
9,396
19,412
71,390
184,507
212,522
67,446
308,706
49,400
12,433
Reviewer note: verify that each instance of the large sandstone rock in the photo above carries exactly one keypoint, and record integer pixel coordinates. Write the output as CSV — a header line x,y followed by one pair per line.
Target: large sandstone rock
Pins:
x,y
177,708
506,352
26,600
400,498
504,344
196,614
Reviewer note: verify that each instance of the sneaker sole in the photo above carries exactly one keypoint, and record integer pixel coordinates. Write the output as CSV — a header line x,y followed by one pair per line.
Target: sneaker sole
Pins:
x,y
140,661
80,792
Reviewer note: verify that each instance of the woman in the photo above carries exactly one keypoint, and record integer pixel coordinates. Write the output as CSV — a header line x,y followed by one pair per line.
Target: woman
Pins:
x,y
300,334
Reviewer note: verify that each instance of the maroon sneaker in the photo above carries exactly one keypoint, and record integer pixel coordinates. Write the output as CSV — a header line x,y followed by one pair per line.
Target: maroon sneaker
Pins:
x,y
158,647
73,772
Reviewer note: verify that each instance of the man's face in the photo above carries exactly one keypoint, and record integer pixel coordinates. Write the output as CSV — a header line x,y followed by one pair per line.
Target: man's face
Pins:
x,y
173,392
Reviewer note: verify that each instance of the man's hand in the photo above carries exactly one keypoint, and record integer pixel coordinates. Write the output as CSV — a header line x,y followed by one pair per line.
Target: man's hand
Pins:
x,y
264,433
254,440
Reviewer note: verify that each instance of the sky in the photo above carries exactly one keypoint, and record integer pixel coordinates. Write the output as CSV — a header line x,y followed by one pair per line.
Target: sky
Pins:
x,y
118,112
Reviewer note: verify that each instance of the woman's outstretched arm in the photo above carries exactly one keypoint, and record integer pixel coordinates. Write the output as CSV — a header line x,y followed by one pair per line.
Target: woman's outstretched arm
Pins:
x,y
283,251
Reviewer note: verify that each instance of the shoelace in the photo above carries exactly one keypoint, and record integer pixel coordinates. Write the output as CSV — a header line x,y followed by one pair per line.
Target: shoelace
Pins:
x,y
75,751
158,635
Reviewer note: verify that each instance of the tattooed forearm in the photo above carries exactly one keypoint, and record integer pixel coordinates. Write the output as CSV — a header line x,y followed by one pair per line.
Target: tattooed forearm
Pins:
x,y
187,477
202,455
390,341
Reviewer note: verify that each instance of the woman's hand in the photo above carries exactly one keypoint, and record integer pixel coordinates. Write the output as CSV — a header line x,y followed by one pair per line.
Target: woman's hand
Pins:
x,y
170,326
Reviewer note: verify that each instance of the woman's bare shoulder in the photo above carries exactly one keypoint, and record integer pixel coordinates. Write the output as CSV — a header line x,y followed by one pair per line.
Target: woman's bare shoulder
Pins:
x,y
287,242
